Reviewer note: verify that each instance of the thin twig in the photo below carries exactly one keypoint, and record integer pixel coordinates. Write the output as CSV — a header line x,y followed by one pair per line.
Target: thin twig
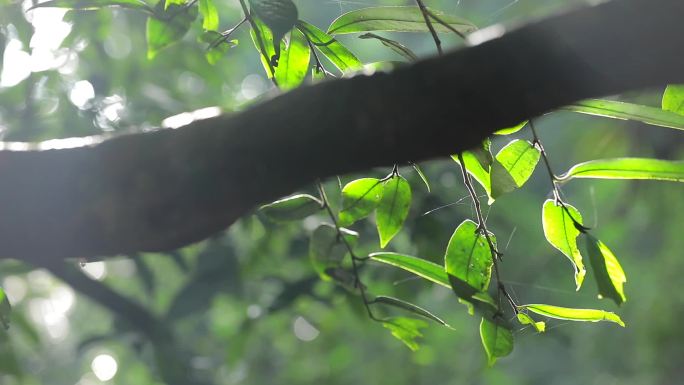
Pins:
x,y
445,24
225,35
428,23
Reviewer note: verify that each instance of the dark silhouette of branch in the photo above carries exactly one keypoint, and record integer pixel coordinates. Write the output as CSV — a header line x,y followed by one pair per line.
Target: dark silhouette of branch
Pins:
x,y
165,189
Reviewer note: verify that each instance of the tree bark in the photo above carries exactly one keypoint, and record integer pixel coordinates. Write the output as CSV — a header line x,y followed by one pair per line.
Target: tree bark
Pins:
x,y
165,189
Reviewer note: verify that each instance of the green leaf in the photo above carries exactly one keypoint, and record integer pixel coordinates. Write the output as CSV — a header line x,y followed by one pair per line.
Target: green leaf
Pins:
x,y
400,19
422,175
210,16
263,33
673,99
628,168
294,61
610,277
468,256
359,199
514,165
475,169
629,111
511,130
483,154
94,4
393,45
569,314
561,232
5,310
407,330
292,208
413,308
332,49
216,46
525,319
418,266
168,27
496,339
393,208
280,16
327,250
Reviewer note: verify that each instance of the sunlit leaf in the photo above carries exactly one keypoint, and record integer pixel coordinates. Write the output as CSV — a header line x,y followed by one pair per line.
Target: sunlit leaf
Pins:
x,y
5,310
468,256
94,4
400,19
294,61
525,319
477,171
511,130
337,53
263,35
628,168
673,99
210,16
168,26
609,275
422,175
497,340
393,45
327,250
410,307
407,330
629,111
292,208
393,208
570,314
418,266
513,166
217,46
359,199
561,232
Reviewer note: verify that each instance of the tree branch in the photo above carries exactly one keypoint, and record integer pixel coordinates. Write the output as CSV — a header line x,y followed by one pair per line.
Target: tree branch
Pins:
x,y
165,189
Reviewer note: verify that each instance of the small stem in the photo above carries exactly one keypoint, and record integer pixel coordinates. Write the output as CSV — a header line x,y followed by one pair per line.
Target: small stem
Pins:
x,y
445,24
428,23
225,35
355,268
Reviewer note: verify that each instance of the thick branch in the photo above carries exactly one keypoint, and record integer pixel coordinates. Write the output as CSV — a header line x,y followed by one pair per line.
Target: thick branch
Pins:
x,y
162,190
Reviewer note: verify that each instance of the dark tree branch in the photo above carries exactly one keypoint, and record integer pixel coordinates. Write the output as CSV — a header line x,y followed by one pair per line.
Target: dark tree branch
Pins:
x,y
162,190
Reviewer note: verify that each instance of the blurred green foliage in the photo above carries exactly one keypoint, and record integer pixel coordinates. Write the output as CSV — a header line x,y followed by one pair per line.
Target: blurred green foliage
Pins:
x,y
248,307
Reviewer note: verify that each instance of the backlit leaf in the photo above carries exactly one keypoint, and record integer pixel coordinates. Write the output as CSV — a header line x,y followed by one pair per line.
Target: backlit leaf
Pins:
x,y
400,19
525,319
326,249
332,49
294,61
497,340
570,314
673,99
629,111
393,45
393,208
561,232
511,130
468,256
359,199
292,208
418,266
209,14
628,168
5,310
609,275
168,26
407,330
413,308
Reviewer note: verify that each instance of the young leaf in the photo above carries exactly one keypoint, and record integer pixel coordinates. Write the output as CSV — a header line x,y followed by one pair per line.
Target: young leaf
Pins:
x,y
359,199
217,46
610,277
393,45
263,33
468,257
407,330
326,250
413,308
418,266
280,16
294,61
511,130
496,339
393,208
85,5
569,314
477,171
337,53
561,232
422,175
628,111
400,19
168,27
5,310
292,208
209,14
483,154
628,168
519,158
525,319
673,98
